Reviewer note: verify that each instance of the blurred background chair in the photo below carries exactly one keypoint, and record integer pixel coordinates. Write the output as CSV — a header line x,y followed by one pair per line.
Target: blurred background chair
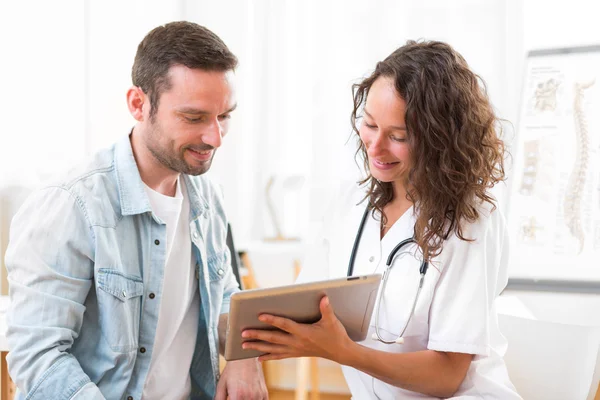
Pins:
x,y
548,360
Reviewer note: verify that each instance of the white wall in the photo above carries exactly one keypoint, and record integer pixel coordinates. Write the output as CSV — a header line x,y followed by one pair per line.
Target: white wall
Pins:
x,y
114,29
65,70
41,89
560,24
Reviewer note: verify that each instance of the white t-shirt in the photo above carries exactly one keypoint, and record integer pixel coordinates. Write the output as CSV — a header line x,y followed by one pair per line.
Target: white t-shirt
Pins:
x,y
456,308
177,326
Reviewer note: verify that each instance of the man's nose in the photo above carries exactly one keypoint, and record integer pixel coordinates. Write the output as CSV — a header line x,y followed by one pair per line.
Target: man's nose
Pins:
x,y
213,135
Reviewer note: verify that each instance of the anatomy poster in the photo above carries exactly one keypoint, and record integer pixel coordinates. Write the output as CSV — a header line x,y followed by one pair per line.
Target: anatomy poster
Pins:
x,y
554,207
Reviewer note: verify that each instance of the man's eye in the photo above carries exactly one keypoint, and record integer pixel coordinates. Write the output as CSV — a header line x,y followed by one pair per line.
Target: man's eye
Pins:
x,y
193,120
224,117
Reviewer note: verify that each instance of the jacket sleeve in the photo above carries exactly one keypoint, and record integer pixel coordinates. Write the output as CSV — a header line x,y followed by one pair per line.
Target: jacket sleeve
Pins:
x,y
50,272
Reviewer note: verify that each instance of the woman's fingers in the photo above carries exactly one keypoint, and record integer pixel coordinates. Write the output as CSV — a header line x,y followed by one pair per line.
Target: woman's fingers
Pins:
x,y
276,337
266,347
286,325
326,309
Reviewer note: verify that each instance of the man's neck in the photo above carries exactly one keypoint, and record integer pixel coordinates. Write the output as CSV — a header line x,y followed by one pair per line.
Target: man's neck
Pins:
x,y
155,175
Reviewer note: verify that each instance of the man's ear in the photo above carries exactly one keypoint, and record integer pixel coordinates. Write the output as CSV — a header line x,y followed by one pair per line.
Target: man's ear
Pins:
x,y
136,99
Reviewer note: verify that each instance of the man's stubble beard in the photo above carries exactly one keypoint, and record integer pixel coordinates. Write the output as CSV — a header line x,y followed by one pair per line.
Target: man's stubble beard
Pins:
x,y
169,158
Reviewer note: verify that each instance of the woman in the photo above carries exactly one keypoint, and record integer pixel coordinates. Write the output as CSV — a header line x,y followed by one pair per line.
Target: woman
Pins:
x,y
428,136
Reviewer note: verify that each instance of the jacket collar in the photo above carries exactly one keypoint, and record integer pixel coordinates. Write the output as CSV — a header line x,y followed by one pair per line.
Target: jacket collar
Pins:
x,y
132,195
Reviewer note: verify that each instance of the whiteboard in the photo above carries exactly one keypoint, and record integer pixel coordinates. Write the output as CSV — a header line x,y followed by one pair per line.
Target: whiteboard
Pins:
x,y
554,200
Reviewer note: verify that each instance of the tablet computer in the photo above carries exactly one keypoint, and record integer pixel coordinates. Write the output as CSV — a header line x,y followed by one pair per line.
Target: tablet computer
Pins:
x,y
352,299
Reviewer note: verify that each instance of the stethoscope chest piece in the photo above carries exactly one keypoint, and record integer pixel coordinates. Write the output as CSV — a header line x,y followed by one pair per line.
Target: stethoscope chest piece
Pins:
x,y
398,340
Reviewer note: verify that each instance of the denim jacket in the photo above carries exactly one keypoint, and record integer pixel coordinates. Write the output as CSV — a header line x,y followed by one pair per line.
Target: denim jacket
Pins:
x,y
84,257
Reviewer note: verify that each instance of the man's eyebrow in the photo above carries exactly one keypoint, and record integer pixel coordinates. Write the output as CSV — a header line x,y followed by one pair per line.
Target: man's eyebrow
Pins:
x,y
395,127
191,110
198,111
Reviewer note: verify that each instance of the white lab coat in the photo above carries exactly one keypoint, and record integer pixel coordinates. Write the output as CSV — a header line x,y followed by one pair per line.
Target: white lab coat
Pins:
x,y
456,308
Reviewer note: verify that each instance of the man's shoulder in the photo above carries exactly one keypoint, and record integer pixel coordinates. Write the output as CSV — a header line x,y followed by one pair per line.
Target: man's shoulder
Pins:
x,y
92,183
92,168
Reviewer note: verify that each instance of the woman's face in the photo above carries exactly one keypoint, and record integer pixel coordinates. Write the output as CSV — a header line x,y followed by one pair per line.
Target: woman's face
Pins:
x,y
383,132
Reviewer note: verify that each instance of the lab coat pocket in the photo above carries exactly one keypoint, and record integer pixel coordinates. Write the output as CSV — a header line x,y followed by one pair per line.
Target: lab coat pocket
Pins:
x,y
119,307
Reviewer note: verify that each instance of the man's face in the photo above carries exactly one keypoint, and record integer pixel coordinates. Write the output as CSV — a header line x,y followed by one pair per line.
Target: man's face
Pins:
x,y
191,120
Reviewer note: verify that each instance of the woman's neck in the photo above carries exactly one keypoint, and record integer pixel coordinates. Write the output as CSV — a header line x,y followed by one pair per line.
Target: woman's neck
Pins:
x,y
394,210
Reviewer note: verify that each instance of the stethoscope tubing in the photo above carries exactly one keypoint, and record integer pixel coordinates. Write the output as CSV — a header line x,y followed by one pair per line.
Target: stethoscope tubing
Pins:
x,y
388,266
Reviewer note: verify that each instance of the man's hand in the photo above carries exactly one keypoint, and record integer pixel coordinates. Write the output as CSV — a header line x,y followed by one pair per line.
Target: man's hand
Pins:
x,y
242,380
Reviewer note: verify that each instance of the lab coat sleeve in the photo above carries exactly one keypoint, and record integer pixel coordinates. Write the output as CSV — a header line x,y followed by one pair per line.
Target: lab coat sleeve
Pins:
x,y
473,274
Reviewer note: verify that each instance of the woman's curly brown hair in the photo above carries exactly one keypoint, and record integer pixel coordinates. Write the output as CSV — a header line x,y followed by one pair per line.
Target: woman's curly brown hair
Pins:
x,y
452,135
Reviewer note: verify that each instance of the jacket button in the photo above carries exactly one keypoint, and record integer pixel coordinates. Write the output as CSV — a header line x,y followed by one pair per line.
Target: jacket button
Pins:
x,y
142,350
157,242
129,398
152,295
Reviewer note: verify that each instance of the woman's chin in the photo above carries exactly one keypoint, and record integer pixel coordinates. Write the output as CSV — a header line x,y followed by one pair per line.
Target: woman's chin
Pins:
x,y
381,177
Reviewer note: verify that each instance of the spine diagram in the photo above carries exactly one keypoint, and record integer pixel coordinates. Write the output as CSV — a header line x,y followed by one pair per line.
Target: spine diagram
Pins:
x,y
575,187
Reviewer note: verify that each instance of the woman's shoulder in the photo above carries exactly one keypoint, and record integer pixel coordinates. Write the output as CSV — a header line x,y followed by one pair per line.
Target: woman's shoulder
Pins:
x,y
490,217
486,233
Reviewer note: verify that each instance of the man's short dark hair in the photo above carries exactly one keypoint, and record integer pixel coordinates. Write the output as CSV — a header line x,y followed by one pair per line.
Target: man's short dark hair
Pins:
x,y
177,43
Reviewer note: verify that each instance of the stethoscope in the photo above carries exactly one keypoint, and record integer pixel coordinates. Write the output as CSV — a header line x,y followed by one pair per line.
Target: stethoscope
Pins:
x,y
390,259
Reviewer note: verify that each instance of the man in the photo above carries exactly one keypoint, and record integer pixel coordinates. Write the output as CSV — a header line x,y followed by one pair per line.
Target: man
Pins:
x,y
120,276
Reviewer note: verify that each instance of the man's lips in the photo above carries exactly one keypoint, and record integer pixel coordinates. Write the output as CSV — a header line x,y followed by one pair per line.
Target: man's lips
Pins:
x,y
201,155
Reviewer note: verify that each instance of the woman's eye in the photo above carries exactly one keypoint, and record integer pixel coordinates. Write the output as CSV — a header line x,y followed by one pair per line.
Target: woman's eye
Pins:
x,y
369,125
398,139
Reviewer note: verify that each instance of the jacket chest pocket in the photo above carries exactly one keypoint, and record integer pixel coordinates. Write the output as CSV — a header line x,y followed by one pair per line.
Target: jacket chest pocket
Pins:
x,y
119,308
216,266
217,269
